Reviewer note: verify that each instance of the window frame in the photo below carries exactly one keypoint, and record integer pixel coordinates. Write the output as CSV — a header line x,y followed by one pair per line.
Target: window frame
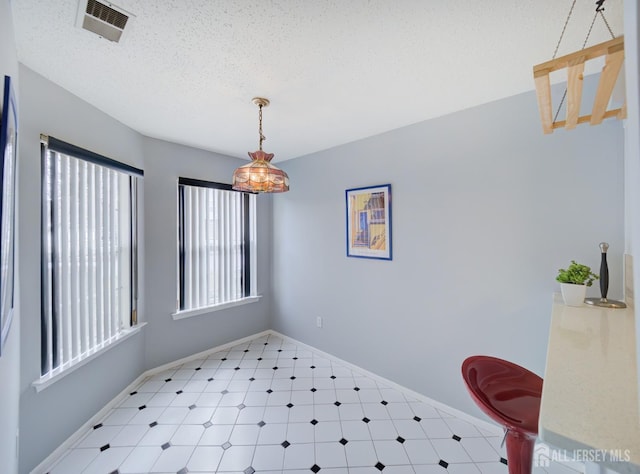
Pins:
x,y
249,281
51,368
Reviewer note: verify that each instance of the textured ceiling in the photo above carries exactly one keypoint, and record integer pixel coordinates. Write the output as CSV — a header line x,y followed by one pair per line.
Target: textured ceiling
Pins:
x,y
334,70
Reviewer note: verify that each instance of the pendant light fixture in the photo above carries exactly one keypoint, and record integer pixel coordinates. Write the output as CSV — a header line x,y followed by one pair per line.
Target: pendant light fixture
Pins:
x,y
260,176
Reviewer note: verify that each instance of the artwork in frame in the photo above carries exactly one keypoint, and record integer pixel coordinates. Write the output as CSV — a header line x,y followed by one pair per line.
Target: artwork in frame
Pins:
x,y
369,222
8,145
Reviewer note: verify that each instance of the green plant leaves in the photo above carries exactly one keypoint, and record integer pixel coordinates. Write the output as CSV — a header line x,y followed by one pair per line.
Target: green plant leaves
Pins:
x,y
576,274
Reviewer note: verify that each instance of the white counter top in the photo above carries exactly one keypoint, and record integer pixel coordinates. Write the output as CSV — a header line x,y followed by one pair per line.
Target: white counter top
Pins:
x,y
590,390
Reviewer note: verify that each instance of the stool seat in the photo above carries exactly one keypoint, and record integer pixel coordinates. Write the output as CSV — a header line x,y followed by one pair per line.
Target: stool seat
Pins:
x,y
510,395
507,393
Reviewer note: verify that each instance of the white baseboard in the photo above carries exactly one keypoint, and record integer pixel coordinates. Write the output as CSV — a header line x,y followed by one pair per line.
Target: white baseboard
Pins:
x,y
205,354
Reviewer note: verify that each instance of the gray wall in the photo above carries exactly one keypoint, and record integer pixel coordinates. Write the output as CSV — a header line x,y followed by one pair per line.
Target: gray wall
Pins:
x,y
166,339
10,357
485,210
48,418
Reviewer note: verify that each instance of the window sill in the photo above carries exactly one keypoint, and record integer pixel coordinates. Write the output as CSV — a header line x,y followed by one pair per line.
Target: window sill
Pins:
x,y
210,309
60,373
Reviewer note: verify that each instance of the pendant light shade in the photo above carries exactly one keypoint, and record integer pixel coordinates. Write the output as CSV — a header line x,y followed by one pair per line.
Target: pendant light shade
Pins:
x,y
260,176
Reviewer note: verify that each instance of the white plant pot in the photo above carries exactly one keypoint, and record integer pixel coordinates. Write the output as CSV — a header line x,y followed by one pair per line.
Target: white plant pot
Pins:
x,y
573,295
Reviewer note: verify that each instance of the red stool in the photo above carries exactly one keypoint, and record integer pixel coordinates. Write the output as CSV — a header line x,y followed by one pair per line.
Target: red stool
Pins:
x,y
509,395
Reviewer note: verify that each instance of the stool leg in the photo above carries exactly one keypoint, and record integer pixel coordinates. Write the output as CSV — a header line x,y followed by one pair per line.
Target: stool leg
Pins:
x,y
519,452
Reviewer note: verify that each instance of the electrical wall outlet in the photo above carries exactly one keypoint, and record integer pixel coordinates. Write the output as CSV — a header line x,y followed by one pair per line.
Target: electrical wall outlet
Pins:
x,y
319,321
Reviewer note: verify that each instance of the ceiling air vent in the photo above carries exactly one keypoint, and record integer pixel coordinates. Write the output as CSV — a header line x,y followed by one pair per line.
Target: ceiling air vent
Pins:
x,y
104,19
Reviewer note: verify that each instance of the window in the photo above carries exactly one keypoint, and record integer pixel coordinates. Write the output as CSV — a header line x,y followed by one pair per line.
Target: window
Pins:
x,y
217,245
89,253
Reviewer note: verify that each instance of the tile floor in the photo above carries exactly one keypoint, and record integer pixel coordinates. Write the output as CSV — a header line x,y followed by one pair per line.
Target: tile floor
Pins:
x,y
269,406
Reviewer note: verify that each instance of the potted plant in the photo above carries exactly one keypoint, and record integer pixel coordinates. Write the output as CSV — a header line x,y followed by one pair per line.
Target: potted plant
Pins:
x,y
574,281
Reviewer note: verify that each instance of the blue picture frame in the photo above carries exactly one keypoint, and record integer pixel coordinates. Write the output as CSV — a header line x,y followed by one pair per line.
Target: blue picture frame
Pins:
x,y
368,222
8,163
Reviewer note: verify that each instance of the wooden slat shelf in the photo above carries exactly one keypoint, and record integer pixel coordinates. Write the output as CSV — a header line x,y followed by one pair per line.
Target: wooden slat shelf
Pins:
x,y
613,51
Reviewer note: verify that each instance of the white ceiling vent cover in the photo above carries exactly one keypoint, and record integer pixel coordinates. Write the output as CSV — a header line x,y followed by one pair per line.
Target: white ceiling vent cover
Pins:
x,y
104,19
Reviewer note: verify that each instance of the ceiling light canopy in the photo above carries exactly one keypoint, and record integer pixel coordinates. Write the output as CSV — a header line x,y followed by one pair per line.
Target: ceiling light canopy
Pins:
x,y
260,176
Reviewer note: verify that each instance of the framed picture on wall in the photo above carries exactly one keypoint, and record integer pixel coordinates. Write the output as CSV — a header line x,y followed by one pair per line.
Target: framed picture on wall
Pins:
x,y
8,146
369,222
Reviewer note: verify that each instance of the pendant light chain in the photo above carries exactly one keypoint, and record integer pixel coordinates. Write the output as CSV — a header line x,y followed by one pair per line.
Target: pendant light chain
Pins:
x,y
599,10
262,137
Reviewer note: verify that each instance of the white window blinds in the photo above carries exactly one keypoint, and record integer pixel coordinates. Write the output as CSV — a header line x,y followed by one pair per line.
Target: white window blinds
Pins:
x,y
217,240
88,255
